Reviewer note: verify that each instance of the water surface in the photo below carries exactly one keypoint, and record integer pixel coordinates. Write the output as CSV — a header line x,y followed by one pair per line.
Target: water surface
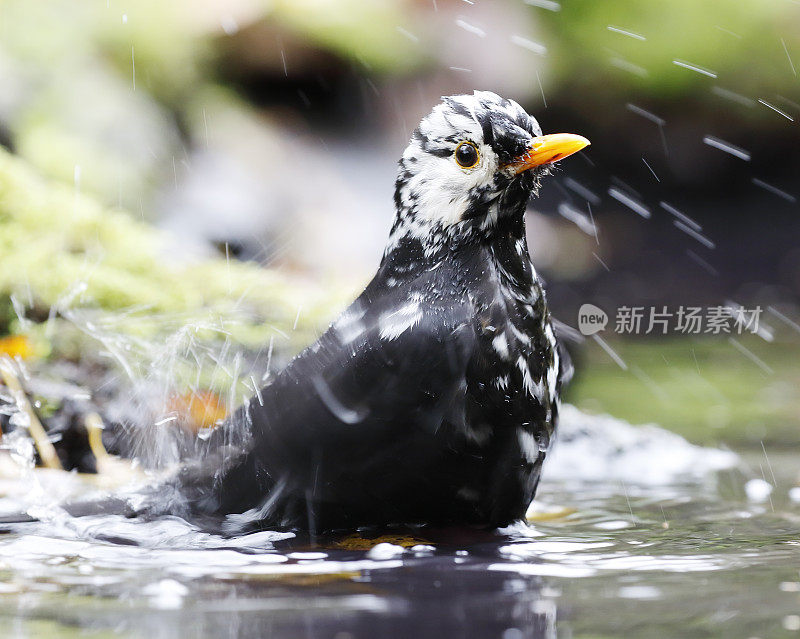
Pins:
x,y
695,558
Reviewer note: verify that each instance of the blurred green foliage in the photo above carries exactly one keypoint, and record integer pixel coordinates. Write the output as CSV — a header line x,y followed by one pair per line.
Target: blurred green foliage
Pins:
x,y
364,31
60,249
104,100
70,104
703,389
740,41
105,88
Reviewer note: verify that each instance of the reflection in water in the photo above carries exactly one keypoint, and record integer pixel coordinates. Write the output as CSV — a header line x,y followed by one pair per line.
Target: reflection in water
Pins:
x,y
635,532
687,559
261,586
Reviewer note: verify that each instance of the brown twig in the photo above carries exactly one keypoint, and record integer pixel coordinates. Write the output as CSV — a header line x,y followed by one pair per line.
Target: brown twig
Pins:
x,y
47,451
94,429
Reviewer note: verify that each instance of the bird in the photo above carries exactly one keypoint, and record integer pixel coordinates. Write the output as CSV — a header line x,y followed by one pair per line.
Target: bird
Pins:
x,y
433,398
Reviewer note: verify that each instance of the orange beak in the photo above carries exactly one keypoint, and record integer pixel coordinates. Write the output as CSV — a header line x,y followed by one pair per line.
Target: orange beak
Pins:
x,y
547,149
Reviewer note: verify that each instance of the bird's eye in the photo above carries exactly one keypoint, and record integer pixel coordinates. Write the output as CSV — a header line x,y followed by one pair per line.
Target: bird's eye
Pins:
x,y
466,155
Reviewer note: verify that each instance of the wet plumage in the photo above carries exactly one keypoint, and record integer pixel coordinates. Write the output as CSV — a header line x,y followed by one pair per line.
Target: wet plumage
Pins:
x,y
434,396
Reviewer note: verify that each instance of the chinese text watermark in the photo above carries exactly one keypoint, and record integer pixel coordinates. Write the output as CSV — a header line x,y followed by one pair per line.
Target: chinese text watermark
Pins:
x,y
662,320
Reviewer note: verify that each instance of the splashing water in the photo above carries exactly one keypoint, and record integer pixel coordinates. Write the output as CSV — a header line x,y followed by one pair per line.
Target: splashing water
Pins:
x,y
611,524
597,542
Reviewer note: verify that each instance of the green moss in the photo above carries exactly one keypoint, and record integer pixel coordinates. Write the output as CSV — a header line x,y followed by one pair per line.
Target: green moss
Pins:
x,y
60,250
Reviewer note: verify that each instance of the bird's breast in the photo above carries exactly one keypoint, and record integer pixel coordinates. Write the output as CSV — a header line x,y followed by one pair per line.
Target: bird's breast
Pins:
x,y
513,377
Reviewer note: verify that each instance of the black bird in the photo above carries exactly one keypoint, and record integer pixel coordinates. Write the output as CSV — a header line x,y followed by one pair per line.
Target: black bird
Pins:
x,y
433,398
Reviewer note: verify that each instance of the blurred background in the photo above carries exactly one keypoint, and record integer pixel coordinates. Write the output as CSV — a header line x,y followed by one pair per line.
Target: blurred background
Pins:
x,y
239,156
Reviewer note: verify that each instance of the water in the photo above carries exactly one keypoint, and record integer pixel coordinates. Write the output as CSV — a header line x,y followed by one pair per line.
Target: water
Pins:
x,y
675,557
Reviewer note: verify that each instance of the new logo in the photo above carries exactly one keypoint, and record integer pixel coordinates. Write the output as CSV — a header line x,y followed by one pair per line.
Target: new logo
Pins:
x,y
591,319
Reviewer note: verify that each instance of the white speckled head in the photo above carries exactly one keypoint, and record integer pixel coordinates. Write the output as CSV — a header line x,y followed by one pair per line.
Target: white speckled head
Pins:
x,y
437,190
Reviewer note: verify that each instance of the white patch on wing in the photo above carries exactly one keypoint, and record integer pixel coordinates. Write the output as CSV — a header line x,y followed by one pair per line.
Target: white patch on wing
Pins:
x,y
528,445
548,332
534,389
552,376
349,325
394,324
518,334
501,382
533,272
500,344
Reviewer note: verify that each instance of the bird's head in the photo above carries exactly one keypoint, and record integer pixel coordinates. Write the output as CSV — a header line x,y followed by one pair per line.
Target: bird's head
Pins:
x,y
474,160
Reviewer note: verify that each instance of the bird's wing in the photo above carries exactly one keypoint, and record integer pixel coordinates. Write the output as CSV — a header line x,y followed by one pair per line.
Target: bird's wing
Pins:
x,y
404,368
564,334
378,387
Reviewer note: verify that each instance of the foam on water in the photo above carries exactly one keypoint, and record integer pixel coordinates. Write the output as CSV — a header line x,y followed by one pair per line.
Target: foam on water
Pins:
x,y
589,450
601,448
598,542
614,510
